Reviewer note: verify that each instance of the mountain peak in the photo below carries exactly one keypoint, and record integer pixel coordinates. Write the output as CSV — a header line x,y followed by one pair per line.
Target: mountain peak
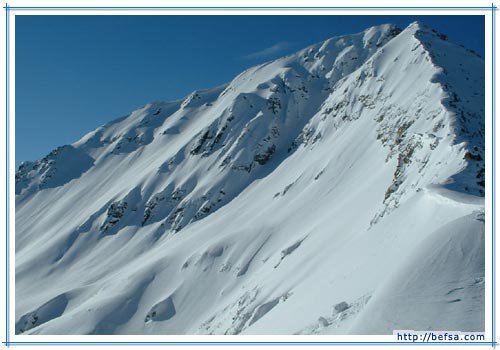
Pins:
x,y
416,25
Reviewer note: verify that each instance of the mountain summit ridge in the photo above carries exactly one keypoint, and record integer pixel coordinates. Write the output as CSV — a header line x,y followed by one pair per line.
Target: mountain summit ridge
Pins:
x,y
215,213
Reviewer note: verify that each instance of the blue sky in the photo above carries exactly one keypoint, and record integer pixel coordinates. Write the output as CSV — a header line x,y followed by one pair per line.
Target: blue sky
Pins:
x,y
75,73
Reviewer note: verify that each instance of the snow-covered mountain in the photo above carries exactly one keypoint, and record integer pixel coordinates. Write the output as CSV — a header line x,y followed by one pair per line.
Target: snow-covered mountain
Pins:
x,y
338,190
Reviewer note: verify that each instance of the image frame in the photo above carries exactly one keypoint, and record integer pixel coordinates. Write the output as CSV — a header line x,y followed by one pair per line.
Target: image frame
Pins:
x,y
9,269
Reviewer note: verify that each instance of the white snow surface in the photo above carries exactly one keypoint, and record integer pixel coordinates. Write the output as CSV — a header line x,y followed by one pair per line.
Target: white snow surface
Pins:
x,y
338,190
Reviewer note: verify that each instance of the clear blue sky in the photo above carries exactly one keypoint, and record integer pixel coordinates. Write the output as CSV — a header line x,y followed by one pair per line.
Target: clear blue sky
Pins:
x,y
75,73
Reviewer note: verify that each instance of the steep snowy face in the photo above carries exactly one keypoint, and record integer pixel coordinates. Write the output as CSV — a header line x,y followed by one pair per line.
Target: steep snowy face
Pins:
x,y
210,146
215,214
426,97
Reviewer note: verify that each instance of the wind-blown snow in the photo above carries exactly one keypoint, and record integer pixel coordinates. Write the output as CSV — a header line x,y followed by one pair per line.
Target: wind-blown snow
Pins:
x,y
342,183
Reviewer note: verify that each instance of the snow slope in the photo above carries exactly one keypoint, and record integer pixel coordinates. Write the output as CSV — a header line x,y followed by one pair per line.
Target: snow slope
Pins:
x,y
323,184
